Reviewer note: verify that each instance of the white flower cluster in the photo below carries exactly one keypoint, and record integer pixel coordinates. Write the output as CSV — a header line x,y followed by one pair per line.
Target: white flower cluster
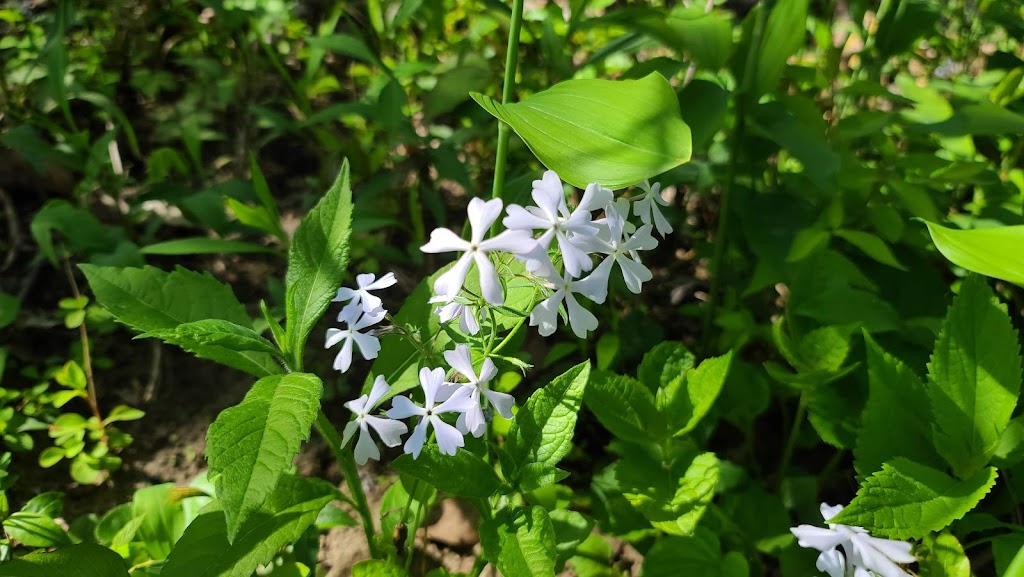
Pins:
x,y
578,237
865,555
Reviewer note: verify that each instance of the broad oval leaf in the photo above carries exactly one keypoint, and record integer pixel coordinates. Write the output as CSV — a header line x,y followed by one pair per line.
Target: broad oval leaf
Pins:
x,y
35,530
521,544
317,260
906,500
617,133
82,560
250,445
625,407
463,474
996,252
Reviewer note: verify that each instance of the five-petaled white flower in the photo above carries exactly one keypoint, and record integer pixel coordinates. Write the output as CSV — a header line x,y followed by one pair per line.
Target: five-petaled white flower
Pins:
x,y
472,420
646,207
356,320
863,552
466,314
622,250
449,439
361,295
390,431
545,314
481,216
552,215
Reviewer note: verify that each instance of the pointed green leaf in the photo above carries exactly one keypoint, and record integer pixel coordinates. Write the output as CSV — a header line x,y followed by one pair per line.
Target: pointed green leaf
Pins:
x,y
616,133
663,364
975,375
906,500
687,399
943,556
463,474
317,260
897,419
571,529
673,556
221,333
783,36
523,546
35,530
996,252
624,406
542,431
871,245
250,445
204,549
204,245
82,560
673,498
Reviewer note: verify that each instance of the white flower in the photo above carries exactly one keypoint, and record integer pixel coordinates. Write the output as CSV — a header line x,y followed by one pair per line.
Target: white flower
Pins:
x,y
545,315
552,215
481,216
368,345
472,420
361,296
622,250
646,207
390,431
863,552
454,310
449,439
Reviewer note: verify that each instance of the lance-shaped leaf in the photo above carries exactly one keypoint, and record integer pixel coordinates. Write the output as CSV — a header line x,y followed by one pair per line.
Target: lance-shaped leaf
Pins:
x,y
250,445
974,375
158,302
543,429
688,398
316,261
204,549
615,132
996,252
463,474
906,500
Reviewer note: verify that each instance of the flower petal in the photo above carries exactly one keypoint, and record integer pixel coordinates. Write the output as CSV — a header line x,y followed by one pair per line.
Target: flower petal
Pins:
x,y
573,257
343,360
475,422
898,551
634,273
414,444
595,285
521,219
513,241
369,319
549,195
403,408
450,283
467,322
369,346
459,401
545,314
344,294
864,554
811,537
334,336
366,449
832,562
460,360
490,286
383,282
595,197
380,388
487,371
581,320
829,511
444,240
358,406
449,439
481,216
501,402
350,430
390,431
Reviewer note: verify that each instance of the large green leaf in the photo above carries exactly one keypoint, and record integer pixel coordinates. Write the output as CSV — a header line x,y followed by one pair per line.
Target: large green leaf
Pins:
x,y
672,556
82,560
906,500
317,260
463,474
616,133
975,375
688,398
897,419
204,549
157,302
624,406
783,35
996,252
663,364
943,556
35,530
523,545
542,431
250,445
673,497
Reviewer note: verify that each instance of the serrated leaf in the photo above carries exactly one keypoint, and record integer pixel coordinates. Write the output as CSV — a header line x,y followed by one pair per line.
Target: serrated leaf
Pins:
x,y
82,560
897,419
542,431
688,398
35,530
226,334
996,252
317,260
673,499
204,550
662,364
943,556
622,132
906,500
156,303
624,406
523,545
250,445
463,474
974,376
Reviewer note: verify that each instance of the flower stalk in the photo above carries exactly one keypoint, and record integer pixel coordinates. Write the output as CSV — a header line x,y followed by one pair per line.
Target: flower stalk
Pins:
x,y
508,86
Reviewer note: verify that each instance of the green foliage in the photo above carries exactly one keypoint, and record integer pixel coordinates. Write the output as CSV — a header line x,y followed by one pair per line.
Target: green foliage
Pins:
x,y
599,117
996,252
523,544
944,556
908,500
317,261
81,560
250,445
464,475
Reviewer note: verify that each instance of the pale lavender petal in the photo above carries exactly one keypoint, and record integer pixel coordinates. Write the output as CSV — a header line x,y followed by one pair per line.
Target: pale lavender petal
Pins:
x,y
366,449
581,320
369,319
490,286
832,562
448,312
521,219
575,259
898,551
358,406
383,282
432,379
634,273
487,371
467,322
334,336
549,195
513,241
660,222
501,402
595,285
390,431
545,315
444,240
863,554
350,312
369,346
595,197
350,430
380,388
344,358
460,360
364,280
372,303
475,422
481,216
450,283
403,408
449,439
344,294
463,399
414,444
641,240
811,537
829,511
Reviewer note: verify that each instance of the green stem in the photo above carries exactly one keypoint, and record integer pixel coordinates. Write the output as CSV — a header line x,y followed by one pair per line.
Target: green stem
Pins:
x,y
348,468
478,566
735,146
504,130
794,434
